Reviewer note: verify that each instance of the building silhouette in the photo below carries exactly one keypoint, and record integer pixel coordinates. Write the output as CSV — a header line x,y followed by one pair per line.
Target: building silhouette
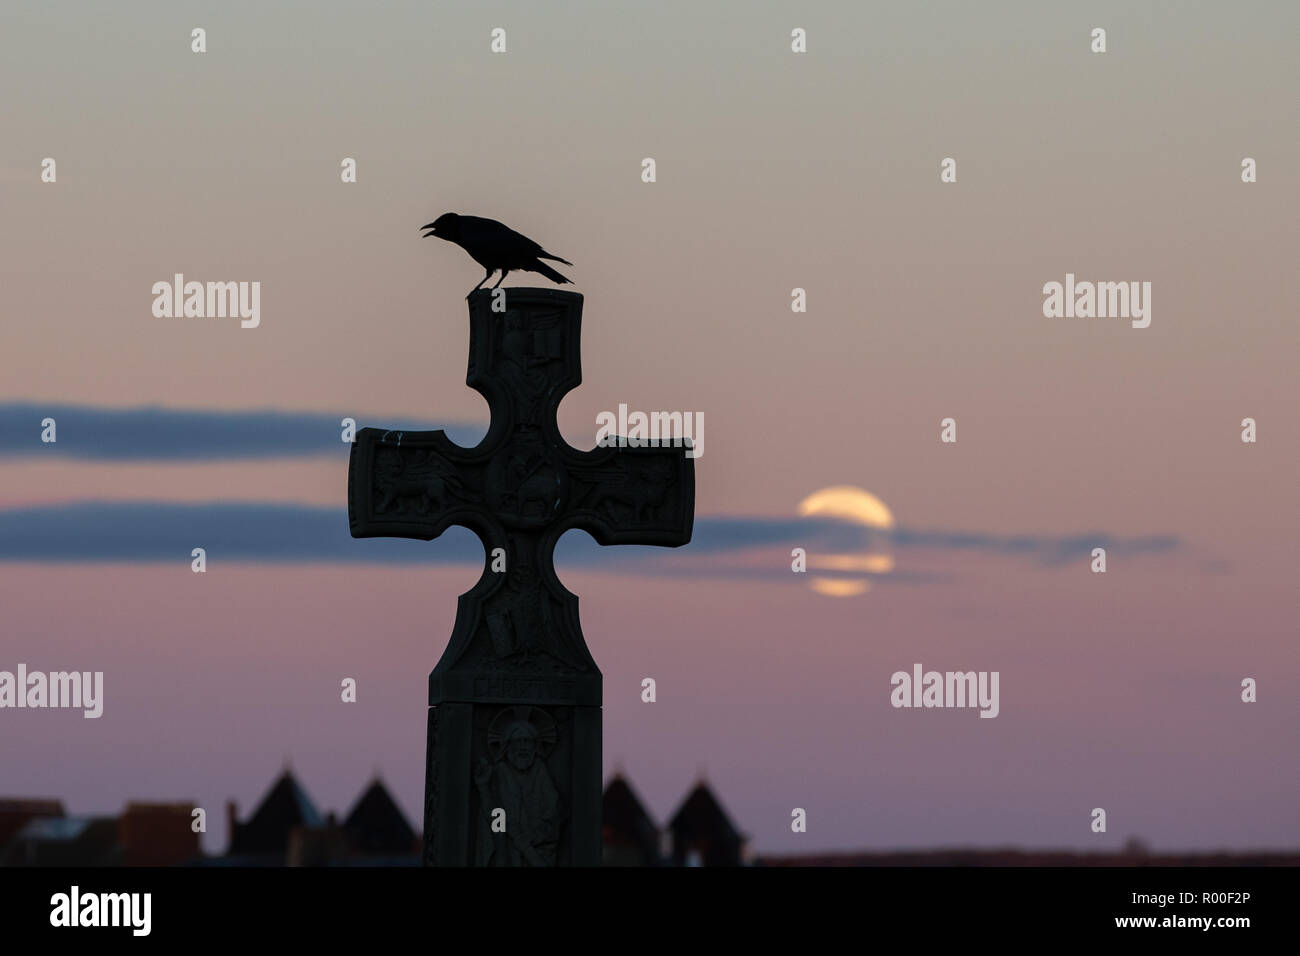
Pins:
x,y
39,833
287,829
628,834
702,832
263,840
699,833
17,812
377,827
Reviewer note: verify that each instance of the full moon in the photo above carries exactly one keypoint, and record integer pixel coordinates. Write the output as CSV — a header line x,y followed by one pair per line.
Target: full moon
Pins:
x,y
850,504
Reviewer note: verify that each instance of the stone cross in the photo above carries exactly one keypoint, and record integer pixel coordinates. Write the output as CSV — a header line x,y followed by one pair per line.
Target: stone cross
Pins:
x,y
513,766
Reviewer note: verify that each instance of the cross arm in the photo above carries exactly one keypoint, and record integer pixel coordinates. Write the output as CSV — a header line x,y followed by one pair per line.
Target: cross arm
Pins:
x,y
633,495
413,485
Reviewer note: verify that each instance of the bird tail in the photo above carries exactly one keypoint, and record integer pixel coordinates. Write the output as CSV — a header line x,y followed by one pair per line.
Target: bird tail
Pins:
x,y
550,273
547,255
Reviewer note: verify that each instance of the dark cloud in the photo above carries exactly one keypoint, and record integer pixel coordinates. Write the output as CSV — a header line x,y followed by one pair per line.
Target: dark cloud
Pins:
x,y
236,531
1045,549
168,434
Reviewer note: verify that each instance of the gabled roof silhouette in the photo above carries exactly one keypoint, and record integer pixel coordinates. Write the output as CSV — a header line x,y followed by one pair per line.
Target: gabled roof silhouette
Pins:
x,y
625,822
701,811
702,826
286,806
376,824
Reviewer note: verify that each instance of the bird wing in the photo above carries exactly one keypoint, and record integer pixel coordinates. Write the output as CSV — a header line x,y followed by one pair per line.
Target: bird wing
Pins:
x,y
495,237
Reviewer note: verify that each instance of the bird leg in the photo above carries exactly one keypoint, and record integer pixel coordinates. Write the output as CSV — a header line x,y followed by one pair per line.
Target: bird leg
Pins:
x,y
480,283
504,273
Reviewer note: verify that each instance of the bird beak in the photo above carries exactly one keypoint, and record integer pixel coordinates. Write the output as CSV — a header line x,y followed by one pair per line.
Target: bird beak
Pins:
x,y
433,231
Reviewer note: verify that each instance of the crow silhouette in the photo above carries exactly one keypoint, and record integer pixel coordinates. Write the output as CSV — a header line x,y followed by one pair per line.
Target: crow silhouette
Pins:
x,y
494,245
